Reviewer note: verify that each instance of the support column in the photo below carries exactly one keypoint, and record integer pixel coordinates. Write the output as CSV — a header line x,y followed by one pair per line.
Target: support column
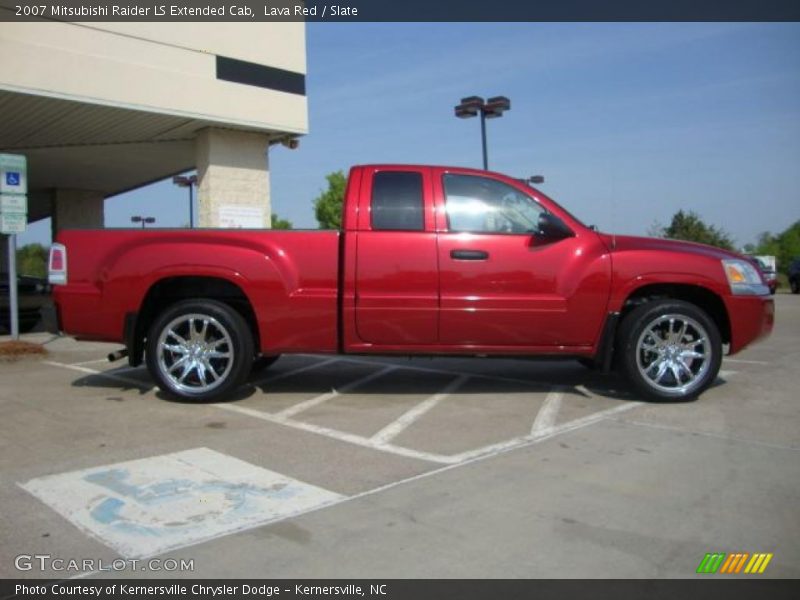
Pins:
x,y
77,209
232,179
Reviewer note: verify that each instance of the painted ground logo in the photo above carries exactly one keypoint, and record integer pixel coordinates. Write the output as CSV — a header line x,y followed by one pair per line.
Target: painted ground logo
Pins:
x,y
733,563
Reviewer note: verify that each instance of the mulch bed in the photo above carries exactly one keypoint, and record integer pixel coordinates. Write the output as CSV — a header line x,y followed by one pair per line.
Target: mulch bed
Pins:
x,y
16,349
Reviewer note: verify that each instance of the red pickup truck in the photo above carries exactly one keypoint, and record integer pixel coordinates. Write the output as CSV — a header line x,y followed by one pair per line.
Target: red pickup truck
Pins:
x,y
429,261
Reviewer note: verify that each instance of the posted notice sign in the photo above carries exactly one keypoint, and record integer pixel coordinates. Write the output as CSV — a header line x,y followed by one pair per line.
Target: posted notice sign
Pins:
x,y
13,223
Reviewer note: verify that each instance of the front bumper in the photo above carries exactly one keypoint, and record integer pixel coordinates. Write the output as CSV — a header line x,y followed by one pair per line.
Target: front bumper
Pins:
x,y
751,317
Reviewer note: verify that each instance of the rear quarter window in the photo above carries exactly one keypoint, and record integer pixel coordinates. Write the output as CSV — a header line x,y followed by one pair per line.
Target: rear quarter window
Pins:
x,y
397,201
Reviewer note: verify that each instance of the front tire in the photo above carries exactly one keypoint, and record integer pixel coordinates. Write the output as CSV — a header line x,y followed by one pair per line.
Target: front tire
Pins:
x,y
793,283
199,350
669,350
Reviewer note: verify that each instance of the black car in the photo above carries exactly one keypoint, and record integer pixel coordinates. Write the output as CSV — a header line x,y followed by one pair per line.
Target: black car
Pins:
x,y
33,294
794,276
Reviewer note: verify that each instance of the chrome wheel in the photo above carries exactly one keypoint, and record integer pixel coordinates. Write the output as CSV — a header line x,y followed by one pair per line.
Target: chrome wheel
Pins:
x,y
195,354
673,354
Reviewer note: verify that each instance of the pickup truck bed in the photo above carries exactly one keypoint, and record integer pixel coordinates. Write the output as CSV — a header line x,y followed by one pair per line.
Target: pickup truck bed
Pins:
x,y
291,278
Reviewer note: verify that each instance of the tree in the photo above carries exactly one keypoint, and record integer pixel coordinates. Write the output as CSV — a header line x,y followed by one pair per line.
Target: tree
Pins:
x,y
690,227
328,205
278,223
32,260
784,247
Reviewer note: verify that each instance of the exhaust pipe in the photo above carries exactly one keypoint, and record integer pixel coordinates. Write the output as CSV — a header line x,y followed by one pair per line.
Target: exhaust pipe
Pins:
x,y
117,355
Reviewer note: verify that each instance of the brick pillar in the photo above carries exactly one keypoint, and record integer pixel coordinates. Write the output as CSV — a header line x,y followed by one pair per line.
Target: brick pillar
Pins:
x,y
232,179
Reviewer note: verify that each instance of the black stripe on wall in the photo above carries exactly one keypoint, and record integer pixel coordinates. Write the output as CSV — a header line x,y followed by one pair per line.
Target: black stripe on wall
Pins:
x,y
240,71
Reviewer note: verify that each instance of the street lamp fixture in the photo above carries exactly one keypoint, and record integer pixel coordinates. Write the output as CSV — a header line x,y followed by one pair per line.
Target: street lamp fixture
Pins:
x,y
492,108
143,220
190,182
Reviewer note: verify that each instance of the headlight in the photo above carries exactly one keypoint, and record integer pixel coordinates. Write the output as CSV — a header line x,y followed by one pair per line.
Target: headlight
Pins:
x,y
744,278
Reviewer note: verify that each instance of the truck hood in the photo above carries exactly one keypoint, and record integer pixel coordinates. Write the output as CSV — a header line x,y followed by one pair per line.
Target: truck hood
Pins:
x,y
623,243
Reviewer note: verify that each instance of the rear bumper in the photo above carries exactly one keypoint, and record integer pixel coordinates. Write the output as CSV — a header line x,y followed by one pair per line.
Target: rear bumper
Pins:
x,y
751,318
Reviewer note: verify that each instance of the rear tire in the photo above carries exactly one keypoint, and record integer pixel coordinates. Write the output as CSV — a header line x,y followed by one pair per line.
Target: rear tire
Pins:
x,y
669,350
199,350
793,283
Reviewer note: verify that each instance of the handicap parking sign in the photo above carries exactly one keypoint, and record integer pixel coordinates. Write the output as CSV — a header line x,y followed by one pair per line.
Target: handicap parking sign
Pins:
x,y
13,174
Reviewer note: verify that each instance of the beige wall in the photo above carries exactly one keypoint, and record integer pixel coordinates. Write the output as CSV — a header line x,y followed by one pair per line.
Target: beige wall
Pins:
x,y
167,68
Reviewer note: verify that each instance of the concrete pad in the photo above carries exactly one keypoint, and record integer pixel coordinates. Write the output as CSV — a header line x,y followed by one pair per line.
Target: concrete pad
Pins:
x,y
613,500
644,493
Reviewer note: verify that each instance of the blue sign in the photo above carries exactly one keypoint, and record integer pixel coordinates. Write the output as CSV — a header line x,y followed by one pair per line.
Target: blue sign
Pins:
x,y
12,178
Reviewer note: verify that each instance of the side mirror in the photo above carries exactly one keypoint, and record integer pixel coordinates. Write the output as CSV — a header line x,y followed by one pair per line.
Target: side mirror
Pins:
x,y
552,229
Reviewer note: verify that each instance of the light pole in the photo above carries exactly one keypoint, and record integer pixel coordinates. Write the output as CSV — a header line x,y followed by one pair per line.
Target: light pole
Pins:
x,y
492,108
190,182
143,220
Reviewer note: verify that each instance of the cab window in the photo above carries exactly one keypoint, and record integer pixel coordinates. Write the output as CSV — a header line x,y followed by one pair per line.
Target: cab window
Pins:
x,y
478,204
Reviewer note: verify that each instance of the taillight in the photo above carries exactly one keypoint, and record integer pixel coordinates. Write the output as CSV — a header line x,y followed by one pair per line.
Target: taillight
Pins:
x,y
57,265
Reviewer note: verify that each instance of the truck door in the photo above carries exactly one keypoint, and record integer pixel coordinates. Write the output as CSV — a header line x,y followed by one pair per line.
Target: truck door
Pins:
x,y
397,279
511,272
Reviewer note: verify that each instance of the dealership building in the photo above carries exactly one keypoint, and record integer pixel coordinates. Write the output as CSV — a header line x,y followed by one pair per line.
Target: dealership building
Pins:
x,y
103,108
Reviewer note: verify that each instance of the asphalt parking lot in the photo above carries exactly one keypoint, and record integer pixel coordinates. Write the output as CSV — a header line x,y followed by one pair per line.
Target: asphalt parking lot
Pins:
x,y
360,467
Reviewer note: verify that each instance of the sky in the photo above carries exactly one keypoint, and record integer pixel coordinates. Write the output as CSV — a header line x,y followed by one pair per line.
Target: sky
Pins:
x,y
628,123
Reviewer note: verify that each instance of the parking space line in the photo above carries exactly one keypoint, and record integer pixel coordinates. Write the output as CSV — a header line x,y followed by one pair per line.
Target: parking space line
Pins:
x,y
270,378
529,440
396,427
746,362
546,417
317,400
452,459
283,419
89,362
140,384
336,434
